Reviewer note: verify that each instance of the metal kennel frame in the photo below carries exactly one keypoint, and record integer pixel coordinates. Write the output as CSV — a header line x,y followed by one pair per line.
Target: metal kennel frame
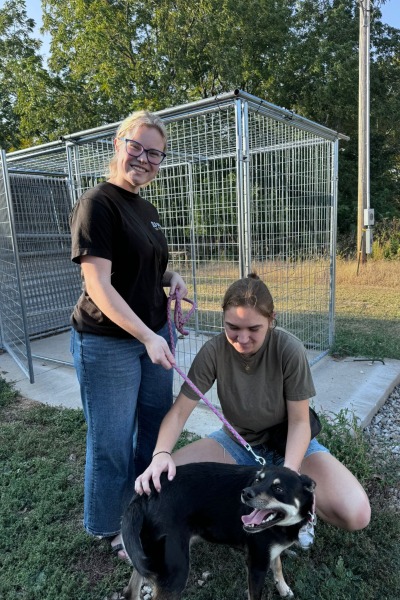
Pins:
x,y
246,186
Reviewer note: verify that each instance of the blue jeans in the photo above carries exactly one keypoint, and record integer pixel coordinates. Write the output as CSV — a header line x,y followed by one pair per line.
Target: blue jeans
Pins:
x,y
125,397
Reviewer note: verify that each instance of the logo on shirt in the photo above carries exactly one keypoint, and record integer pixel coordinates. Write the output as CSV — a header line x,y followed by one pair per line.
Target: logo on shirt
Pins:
x,y
156,226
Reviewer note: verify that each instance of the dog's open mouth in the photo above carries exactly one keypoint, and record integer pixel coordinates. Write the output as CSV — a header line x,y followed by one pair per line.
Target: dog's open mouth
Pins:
x,y
261,519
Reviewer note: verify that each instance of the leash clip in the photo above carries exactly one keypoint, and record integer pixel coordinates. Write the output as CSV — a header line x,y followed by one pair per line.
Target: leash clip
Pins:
x,y
257,458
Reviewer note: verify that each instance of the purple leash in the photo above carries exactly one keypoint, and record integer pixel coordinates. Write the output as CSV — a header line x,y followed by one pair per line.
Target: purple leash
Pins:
x,y
180,321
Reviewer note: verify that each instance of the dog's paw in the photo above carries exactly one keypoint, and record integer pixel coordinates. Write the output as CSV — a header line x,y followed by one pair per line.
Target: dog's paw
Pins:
x,y
283,589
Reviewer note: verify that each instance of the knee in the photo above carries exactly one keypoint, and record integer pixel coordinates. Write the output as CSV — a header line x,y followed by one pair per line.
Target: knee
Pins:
x,y
345,515
359,517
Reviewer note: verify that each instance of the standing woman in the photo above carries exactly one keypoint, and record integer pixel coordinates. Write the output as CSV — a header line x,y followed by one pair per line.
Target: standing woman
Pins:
x,y
263,378
120,338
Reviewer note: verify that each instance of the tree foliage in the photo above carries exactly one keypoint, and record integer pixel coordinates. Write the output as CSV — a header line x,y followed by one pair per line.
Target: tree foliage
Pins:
x,y
20,58
109,57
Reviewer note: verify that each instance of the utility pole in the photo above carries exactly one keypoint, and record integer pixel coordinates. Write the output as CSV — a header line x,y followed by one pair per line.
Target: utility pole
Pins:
x,y
365,215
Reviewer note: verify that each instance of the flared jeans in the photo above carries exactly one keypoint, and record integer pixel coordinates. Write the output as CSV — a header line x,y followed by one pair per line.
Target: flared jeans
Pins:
x,y
124,397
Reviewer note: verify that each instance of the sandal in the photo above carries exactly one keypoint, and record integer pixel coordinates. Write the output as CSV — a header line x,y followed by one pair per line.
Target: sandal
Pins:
x,y
119,550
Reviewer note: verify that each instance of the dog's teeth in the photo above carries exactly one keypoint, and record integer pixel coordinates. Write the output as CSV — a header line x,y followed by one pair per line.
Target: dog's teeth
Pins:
x,y
269,518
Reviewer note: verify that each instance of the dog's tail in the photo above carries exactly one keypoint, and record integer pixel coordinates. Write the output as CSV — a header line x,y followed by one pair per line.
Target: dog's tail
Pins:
x,y
134,535
131,526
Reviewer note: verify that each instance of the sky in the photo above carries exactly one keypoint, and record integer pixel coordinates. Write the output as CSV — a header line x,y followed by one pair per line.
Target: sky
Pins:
x,y
390,15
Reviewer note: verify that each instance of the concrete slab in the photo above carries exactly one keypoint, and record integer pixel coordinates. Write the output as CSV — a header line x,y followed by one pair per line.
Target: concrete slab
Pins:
x,y
359,386
55,385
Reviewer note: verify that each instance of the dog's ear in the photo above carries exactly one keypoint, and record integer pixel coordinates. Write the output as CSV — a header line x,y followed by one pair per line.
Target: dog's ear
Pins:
x,y
308,483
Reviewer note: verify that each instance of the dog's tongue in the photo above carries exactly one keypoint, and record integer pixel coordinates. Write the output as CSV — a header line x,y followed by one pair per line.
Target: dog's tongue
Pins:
x,y
255,518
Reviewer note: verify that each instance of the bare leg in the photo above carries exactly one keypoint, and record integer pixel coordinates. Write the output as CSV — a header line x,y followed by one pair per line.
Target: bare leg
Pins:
x,y
204,450
340,499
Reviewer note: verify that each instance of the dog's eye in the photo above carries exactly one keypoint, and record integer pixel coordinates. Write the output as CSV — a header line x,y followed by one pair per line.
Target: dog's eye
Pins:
x,y
277,488
257,480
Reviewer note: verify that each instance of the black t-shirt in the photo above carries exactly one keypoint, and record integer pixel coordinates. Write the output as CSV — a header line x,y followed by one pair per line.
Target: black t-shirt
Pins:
x,y
110,222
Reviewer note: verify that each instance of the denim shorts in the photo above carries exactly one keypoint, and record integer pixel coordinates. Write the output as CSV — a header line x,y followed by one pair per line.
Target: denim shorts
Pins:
x,y
244,457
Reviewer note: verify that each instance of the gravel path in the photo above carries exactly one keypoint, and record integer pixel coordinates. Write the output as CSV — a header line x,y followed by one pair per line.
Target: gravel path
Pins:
x,y
384,436
385,426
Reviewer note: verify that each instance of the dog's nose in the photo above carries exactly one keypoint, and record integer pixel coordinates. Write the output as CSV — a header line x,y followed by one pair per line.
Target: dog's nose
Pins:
x,y
248,493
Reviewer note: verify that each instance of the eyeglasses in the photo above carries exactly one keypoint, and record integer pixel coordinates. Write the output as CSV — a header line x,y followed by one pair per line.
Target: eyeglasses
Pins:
x,y
133,148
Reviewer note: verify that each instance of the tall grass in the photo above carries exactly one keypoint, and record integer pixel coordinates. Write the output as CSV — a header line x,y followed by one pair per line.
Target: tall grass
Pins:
x,y
367,300
374,273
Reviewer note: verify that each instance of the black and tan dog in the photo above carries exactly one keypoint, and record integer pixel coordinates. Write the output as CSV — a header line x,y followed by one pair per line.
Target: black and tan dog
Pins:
x,y
212,501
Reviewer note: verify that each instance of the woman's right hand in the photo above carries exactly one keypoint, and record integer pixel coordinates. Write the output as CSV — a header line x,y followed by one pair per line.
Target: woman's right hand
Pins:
x,y
161,463
159,351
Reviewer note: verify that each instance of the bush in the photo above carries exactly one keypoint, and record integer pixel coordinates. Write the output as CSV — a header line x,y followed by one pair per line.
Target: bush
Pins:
x,y
344,437
386,244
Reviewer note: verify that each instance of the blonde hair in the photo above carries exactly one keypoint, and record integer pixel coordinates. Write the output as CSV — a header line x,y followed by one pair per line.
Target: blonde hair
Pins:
x,y
140,118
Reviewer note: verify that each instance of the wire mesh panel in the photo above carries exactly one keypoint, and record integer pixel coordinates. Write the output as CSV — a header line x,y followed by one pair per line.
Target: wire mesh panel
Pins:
x,y
195,194
14,334
88,162
246,185
51,282
292,200
45,160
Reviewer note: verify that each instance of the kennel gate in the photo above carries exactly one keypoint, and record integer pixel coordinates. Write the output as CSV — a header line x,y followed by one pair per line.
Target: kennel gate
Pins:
x,y
246,185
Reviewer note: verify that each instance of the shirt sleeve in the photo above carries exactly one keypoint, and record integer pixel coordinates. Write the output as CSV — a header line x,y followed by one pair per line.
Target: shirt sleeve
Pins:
x,y
297,379
91,225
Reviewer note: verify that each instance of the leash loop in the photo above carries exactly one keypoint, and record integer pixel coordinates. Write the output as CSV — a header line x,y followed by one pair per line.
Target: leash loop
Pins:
x,y
180,321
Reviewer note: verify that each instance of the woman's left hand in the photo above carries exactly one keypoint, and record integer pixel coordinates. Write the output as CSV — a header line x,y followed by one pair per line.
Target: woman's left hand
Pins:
x,y
178,286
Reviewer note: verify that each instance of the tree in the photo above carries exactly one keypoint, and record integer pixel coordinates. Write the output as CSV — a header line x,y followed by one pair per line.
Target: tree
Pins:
x,y
385,126
109,57
321,83
19,52
214,46
159,53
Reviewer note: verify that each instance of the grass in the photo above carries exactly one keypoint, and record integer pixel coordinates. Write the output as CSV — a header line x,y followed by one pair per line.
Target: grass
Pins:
x,y
45,554
368,309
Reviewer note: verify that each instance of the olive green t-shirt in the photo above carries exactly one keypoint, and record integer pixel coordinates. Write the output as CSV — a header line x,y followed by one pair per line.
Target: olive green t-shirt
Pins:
x,y
253,391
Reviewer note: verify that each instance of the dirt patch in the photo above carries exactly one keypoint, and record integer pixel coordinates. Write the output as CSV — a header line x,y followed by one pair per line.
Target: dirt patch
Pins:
x,y
11,412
